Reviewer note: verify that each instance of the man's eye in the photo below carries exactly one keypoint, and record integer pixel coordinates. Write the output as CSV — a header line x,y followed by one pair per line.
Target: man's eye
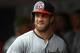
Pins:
x,y
37,15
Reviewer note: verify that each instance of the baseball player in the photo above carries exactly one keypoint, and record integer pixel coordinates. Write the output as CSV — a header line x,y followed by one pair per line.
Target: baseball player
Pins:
x,y
41,39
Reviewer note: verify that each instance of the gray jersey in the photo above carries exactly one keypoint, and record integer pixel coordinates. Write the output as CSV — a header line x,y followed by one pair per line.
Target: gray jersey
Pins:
x,y
31,43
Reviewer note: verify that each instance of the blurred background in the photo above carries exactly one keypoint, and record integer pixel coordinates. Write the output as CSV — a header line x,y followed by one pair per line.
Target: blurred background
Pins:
x,y
10,10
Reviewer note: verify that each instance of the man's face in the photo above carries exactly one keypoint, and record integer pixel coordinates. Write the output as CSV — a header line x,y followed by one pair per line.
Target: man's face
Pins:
x,y
42,21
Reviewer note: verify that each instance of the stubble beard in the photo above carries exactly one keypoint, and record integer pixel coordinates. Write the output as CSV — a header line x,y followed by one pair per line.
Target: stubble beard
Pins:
x,y
42,29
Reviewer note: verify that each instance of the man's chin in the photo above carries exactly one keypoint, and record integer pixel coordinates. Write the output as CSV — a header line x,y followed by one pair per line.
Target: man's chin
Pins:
x,y
41,29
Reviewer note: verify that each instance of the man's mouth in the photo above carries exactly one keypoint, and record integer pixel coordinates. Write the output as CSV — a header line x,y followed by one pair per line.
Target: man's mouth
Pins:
x,y
41,23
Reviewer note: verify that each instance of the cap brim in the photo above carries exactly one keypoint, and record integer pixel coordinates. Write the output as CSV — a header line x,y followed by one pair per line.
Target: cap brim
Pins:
x,y
42,11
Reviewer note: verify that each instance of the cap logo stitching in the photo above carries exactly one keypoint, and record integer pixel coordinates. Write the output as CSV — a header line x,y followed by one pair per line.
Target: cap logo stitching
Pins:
x,y
39,6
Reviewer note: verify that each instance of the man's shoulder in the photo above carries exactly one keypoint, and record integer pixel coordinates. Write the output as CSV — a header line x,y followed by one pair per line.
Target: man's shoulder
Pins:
x,y
27,34
59,39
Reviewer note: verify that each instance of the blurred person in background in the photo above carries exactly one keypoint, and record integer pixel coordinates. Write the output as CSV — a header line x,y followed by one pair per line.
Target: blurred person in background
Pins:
x,y
21,25
71,34
76,20
73,38
42,38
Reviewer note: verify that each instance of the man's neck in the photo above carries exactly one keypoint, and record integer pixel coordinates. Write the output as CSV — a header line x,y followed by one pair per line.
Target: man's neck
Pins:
x,y
45,35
